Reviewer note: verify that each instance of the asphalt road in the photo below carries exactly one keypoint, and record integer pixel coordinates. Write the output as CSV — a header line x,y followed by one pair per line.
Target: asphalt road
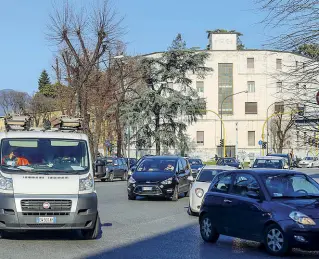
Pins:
x,y
136,229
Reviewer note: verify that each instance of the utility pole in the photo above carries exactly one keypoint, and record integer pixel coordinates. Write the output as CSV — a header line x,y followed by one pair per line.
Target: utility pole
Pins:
x,y
236,151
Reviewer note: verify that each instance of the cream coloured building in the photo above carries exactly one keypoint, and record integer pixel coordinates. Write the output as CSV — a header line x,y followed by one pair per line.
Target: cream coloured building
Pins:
x,y
259,73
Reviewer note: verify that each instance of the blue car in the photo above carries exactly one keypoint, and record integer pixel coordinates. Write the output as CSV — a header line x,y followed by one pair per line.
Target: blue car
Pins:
x,y
230,162
196,165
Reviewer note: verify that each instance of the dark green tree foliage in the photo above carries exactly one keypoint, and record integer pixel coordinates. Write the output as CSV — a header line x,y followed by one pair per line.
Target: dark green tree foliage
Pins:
x,y
44,85
167,103
309,50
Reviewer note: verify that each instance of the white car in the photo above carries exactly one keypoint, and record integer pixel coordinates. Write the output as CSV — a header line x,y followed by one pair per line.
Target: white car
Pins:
x,y
308,162
201,184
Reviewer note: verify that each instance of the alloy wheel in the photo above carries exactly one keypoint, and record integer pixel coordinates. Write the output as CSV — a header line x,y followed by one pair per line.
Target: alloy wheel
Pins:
x,y
275,240
206,228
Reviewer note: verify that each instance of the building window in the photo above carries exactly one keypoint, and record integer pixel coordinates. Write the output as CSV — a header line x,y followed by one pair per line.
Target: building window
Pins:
x,y
251,86
278,63
250,63
200,137
225,87
279,107
279,87
251,138
200,87
251,108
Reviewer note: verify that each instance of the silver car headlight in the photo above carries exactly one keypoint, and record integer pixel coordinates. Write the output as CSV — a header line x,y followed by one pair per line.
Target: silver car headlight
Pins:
x,y
6,184
301,218
86,184
167,181
199,192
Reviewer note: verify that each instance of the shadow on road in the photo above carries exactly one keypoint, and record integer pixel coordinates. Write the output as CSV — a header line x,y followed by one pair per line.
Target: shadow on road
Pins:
x,y
186,243
51,235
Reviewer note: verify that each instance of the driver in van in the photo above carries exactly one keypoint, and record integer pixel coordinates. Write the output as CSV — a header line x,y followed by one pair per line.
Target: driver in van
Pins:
x,y
15,158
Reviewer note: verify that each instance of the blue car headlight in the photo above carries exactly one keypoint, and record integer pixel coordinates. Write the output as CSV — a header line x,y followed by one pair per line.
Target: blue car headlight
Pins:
x,y
167,181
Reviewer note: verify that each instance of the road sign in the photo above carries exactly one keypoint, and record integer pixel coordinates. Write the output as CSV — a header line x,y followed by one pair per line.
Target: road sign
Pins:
x,y
260,142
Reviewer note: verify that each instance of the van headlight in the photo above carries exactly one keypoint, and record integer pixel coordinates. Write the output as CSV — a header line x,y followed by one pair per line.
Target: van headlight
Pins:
x,y
86,184
167,181
5,183
301,218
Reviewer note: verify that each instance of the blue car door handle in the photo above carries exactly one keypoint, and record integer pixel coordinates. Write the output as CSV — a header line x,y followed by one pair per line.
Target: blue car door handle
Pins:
x,y
227,201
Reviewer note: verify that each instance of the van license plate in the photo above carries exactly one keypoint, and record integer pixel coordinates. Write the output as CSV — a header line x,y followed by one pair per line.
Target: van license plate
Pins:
x,y
46,220
147,188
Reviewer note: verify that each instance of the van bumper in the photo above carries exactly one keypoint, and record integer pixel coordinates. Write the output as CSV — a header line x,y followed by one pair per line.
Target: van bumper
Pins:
x,y
82,215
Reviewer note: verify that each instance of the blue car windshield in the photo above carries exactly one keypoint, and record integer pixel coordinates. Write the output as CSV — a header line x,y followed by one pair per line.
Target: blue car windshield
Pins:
x,y
195,161
157,165
268,163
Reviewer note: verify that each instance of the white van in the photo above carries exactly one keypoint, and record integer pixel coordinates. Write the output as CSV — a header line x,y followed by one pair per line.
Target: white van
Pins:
x,y
46,178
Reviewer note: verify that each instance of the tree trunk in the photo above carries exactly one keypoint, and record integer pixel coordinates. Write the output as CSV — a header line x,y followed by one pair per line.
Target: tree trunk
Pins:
x,y
157,138
119,133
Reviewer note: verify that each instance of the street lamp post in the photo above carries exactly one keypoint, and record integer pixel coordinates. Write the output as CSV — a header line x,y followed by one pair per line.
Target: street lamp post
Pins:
x,y
221,113
267,125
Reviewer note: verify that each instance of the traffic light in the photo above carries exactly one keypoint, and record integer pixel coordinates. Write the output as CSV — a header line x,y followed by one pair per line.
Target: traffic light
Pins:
x,y
222,142
264,145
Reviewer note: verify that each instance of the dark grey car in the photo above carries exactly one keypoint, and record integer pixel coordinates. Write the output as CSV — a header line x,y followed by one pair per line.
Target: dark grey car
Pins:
x,y
112,167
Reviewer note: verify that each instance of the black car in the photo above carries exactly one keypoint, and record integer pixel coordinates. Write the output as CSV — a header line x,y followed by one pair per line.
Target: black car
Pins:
x,y
286,156
278,208
233,162
165,176
109,168
196,165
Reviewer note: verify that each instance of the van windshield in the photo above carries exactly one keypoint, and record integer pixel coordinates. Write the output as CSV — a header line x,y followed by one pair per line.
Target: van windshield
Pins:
x,y
44,155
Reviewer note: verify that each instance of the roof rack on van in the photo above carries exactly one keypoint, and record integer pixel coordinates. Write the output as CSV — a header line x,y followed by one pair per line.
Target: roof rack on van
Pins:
x,y
17,122
64,123
61,123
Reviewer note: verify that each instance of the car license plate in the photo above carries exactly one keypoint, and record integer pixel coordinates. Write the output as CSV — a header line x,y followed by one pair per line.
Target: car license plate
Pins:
x,y
46,220
147,188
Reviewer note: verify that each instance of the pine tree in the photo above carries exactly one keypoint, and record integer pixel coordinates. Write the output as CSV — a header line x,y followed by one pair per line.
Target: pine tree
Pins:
x,y
44,85
167,102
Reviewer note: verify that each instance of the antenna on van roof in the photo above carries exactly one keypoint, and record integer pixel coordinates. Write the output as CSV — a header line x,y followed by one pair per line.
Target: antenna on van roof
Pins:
x,y
17,122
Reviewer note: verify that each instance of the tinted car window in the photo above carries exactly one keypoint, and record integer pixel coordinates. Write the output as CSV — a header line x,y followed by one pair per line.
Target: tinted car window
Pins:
x,y
207,175
156,164
221,182
244,183
290,185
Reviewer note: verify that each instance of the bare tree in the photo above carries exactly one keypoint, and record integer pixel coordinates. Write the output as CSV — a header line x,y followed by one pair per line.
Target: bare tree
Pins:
x,y
281,127
40,107
84,37
13,101
299,21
